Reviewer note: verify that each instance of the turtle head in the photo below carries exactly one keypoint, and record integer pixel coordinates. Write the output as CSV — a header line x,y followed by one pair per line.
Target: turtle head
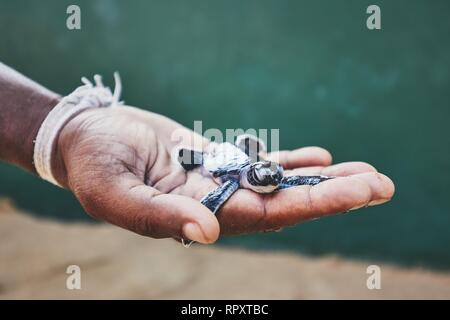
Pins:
x,y
266,174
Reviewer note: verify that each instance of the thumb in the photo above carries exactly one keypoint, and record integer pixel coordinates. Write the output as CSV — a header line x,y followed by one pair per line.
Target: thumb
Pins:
x,y
127,202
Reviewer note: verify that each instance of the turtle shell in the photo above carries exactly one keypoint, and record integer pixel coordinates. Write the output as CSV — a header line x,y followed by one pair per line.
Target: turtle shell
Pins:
x,y
225,159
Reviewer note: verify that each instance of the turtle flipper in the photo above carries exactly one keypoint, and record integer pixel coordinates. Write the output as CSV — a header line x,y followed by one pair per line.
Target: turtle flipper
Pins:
x,y
216,198
251,145
190,159
293,181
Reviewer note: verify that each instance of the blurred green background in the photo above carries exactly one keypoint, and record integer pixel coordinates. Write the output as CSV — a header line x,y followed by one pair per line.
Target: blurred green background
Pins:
x,y
310,68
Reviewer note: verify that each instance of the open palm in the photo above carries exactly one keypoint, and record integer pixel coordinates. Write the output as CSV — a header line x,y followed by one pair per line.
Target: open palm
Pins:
x,y
117,161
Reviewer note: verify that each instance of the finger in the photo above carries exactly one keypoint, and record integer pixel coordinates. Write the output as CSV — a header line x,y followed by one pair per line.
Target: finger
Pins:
x,y
348,168
337,170
330,197
308,156
126,202
381,186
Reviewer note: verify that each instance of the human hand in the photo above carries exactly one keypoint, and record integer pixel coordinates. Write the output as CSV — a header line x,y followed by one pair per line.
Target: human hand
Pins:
x,y
117,162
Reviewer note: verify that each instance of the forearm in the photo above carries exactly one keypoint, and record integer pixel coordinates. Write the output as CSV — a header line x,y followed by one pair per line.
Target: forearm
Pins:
x,y
24,105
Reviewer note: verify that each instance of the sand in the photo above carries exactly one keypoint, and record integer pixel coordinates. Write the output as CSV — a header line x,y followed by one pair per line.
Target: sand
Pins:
x,y
117,264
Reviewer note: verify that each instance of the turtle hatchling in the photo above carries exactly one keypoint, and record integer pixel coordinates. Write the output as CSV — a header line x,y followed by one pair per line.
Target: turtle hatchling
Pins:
x,y
240,165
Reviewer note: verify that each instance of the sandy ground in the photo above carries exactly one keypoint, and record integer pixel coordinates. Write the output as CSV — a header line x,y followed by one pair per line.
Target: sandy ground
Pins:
x,y
116,264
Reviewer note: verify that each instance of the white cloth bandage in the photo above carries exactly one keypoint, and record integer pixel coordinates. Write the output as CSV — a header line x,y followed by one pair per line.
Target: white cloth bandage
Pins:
x,y
84,97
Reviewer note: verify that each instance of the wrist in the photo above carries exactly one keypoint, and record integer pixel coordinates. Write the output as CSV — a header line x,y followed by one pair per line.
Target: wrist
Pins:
x,y
23,107
17,142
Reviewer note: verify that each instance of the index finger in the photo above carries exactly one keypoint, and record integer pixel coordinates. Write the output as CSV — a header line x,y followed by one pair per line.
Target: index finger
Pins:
x,y
307,156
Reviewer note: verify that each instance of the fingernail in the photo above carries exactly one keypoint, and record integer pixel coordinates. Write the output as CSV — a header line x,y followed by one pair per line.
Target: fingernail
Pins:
x,y
192,231
357,207
377,202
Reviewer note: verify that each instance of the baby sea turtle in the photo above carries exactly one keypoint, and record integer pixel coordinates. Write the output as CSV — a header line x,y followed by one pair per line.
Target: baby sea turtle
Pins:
x,y
240,165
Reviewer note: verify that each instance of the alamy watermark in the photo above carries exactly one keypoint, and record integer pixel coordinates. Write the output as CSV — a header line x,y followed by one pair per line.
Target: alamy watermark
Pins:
x,y
265,137
73,21
73,281
374,280
374,20
216,135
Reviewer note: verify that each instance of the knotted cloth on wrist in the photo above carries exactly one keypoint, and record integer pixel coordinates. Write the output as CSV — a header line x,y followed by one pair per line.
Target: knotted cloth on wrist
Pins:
x,y
85,97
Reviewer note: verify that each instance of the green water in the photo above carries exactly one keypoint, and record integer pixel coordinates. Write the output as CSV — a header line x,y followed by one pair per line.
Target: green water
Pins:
x,y
310,68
